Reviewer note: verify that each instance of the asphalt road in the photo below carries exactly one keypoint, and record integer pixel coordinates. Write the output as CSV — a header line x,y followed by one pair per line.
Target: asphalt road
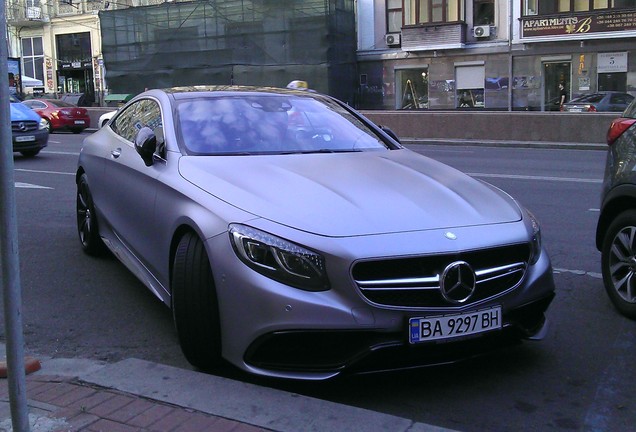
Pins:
x,y
580,378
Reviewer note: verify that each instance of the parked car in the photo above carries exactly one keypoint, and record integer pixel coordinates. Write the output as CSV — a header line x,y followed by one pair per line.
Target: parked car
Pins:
x,y
616,229
601,101
29,133
60,115
104,118
309,249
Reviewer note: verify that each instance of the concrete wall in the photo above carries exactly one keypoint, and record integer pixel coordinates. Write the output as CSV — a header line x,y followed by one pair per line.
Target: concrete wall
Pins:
x,y
473,125
507,126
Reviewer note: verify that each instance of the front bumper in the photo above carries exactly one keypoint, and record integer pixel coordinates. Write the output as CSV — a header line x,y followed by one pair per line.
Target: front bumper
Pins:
x,y
328,353
30,140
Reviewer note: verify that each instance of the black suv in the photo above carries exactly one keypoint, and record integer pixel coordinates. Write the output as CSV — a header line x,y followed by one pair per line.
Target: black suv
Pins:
x,y
616,230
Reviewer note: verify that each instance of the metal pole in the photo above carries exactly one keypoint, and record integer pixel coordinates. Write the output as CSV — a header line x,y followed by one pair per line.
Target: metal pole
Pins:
x,y
9,251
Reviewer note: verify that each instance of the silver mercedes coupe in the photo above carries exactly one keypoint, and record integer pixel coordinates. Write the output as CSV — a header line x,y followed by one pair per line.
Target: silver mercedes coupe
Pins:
x,y
294,238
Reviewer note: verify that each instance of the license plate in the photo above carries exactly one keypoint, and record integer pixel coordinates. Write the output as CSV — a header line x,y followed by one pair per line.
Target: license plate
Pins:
x,y
79,122
576,110
452,326
25,138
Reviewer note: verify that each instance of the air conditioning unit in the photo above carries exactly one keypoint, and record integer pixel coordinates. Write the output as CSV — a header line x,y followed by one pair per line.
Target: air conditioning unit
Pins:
x,y
392,39
481,31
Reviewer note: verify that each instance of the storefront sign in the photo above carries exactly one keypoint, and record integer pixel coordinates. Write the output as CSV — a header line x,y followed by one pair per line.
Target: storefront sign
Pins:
x,y
76,65
612,62
579,24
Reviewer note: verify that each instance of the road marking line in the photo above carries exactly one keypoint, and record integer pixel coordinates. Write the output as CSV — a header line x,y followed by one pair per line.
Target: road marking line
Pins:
x,y
44,172
546,178
578,272
30,186
61,153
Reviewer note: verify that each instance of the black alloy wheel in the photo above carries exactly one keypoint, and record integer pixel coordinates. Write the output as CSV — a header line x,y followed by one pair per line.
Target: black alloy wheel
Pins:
x,y
618,262
87,227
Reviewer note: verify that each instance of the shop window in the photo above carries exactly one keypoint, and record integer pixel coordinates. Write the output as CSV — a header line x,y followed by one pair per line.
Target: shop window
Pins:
x,y
414,88
483,12
470,86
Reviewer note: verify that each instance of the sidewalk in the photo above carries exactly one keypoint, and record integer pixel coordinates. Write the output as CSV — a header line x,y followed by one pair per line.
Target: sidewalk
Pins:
x,y
136,395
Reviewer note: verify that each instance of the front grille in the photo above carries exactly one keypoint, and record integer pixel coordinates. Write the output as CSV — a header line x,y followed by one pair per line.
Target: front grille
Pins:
x,y
415,281
24,126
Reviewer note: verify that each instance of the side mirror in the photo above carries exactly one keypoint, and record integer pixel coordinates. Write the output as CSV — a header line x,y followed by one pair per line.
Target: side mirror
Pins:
x,y
389,132
146,145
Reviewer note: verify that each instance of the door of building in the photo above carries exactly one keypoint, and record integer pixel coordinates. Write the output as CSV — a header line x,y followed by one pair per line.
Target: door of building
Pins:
x,y
555,73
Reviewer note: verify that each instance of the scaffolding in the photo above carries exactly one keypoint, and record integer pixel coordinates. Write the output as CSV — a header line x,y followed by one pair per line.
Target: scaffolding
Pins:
x,y
244,42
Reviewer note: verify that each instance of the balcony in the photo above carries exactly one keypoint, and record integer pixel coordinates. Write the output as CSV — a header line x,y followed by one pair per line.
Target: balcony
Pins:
x,y
431,37
21,15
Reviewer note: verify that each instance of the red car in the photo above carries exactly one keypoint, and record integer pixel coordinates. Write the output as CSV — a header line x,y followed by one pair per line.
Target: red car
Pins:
x,y
60,115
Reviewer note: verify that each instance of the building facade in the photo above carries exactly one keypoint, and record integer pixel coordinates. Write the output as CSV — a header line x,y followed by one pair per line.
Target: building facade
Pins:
x,y
59,43
492,54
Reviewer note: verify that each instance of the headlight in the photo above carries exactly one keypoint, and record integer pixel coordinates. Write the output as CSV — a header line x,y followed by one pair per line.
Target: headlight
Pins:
x,y
279,259
42,124
535,243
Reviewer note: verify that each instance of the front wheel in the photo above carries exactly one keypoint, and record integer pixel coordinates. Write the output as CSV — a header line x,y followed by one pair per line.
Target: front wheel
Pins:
x,y
194,304
618,263
47,125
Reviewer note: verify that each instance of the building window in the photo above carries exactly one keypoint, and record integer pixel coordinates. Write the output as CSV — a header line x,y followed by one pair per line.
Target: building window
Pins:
x,y
483,12
393,16
33,58
432,11
546,7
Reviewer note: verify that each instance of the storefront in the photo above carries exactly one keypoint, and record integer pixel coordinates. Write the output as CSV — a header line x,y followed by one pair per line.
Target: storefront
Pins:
x,y
587,46
75,66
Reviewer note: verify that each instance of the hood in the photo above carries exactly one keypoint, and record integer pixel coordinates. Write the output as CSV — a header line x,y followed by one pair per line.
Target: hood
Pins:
x,y
349,194
20,112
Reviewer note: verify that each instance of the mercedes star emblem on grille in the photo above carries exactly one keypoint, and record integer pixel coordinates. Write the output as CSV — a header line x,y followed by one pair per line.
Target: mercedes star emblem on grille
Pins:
x,y
458,282
22,126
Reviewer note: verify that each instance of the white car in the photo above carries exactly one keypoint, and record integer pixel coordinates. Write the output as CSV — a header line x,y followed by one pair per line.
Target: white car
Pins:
x,y
104,118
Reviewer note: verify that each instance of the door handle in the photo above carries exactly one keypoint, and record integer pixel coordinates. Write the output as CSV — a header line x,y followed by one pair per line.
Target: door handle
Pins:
x,y
116,153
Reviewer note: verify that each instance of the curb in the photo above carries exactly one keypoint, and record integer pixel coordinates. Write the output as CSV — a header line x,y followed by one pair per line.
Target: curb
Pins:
x,y
30,365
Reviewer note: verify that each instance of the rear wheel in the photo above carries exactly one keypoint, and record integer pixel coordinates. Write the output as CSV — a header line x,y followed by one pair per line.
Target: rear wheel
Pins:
x,y
618,263
87,227
194,304
47,125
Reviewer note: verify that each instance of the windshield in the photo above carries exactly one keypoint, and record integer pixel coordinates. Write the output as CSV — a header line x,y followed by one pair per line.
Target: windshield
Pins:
x,y
260,124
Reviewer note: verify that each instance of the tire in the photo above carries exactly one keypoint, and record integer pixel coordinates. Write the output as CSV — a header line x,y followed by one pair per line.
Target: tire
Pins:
x,y
195,307
87,226
30,153
618,263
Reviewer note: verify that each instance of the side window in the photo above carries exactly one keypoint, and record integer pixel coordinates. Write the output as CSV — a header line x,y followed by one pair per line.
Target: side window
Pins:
x,y
145,112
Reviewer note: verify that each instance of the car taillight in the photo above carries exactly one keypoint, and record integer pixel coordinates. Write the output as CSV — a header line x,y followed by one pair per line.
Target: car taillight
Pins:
x,y
617,128
591,108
